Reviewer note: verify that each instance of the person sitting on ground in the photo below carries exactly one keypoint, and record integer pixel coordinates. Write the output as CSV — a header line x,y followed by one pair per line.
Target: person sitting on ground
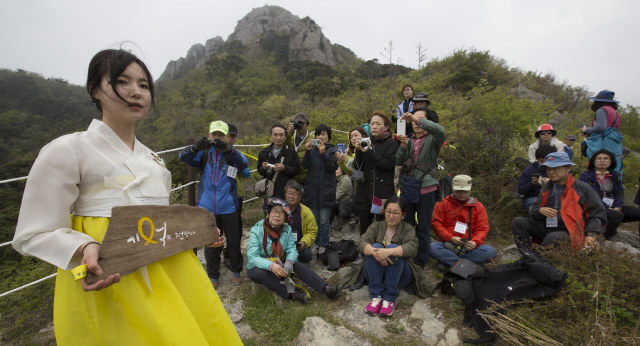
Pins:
x,y
297,138
343,192
458,237
418,157
602,176
390,247
303,224
566,209
569,142
545,136
278,157
533,178
320,188
272,255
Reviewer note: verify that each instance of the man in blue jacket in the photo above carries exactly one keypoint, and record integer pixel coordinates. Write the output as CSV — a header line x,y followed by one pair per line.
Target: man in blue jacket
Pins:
x,y
219,164
533,178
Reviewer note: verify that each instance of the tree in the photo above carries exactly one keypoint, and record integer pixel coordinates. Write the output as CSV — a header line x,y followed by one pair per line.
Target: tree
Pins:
x,y
422,56
388,54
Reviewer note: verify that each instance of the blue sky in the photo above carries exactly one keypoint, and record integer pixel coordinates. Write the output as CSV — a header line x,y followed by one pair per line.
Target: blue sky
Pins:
x,y
586,43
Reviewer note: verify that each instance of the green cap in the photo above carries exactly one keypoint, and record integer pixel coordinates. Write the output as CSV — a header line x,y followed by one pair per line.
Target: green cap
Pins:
x,y
219,126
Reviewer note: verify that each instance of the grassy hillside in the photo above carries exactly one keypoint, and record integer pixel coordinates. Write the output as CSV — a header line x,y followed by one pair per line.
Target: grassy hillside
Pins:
x,y
255,87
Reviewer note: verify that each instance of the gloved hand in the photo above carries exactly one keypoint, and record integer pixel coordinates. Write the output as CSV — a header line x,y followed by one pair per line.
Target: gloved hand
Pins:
x,y
200,145
288,267
220,145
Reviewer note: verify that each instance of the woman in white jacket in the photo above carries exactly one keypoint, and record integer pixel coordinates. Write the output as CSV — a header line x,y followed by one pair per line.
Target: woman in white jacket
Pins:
x,y
545,136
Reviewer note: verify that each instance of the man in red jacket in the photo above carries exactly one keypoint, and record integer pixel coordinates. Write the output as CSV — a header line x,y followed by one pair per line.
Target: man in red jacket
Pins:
x,y
461,224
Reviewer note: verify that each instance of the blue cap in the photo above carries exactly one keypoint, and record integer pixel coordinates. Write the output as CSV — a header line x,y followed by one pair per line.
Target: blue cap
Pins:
x,y
557,160
605,96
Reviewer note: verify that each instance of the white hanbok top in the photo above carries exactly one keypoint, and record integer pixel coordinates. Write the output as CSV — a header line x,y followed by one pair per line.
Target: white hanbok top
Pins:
x,y
85,173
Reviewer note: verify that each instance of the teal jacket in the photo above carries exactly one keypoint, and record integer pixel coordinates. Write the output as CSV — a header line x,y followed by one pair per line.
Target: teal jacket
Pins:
x,y
257,258
429,151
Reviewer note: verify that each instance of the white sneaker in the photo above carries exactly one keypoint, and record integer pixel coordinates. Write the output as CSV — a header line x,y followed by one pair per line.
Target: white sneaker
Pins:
x,y
322,249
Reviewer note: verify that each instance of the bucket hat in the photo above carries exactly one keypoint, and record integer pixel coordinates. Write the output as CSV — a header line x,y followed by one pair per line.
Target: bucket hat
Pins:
x,y
557,160
604,96
545,127
421,96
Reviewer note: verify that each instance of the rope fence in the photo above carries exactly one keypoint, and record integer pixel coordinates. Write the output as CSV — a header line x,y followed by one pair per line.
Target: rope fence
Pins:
x,y
174,189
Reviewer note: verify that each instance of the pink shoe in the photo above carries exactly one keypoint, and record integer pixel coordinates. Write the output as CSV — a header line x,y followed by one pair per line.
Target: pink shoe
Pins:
x,y
387,308
374,307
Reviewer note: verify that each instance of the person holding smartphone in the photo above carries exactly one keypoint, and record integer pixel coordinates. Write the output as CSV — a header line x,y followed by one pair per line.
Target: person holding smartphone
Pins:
x,y
390,247
533,178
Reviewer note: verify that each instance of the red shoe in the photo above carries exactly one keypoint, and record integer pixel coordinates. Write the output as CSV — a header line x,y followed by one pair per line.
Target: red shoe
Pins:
x,y
387,308
374,306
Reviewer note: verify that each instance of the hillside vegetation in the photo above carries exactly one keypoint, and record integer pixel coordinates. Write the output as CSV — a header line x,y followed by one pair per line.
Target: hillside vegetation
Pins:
x,y
256,87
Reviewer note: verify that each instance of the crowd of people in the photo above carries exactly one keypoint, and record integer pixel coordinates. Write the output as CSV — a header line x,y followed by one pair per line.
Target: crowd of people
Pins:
x,y
311,183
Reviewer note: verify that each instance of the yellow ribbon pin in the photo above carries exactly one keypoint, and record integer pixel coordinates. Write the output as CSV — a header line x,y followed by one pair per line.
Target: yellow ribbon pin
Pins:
x,y
150,238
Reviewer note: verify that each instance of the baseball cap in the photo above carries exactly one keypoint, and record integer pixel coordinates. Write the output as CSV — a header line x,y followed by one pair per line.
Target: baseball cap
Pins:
x,y
233,130
219,126
461,182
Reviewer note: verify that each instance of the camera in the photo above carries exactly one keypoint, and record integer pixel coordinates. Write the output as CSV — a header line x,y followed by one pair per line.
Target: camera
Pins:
x,y
365,142
314,142
459,250
270,169
298,125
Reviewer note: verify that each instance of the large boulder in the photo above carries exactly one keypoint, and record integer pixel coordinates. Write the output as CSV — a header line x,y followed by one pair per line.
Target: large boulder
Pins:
x,y
317,332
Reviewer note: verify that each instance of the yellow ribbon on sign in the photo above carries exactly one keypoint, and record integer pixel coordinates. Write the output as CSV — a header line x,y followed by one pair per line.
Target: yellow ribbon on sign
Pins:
x,y
80,272
150,238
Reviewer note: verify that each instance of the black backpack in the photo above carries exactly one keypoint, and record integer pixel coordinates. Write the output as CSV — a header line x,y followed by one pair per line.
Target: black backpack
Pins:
x,y
343,250
531,277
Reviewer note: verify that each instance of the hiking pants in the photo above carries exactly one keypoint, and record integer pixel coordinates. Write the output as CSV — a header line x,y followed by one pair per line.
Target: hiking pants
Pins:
x,y
524,228
366,219
424,209
272,282
615,218
228,224
479,255
386,282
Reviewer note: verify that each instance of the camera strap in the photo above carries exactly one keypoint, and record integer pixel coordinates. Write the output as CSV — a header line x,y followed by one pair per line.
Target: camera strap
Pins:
x,y
301,142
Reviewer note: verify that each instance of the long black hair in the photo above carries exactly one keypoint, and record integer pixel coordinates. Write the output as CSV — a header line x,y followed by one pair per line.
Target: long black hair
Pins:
x,y
110,64
599,104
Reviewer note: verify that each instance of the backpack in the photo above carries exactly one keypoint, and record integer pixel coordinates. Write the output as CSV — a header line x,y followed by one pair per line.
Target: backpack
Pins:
x,y
446,184
341,251
531,277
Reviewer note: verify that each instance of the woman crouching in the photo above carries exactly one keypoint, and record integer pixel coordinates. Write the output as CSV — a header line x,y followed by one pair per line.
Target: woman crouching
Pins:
x,y
390,246
273,256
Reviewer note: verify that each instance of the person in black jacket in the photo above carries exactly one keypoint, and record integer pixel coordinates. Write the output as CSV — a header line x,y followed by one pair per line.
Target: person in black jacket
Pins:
x,y
377,161
533,178
320,188
283,158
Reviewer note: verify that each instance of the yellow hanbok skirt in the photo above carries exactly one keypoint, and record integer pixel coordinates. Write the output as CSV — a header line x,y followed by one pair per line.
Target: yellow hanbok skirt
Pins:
x,y
184,309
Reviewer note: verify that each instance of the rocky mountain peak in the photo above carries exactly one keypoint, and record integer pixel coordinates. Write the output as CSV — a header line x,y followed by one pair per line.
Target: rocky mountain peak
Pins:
x,y
262,20
307,42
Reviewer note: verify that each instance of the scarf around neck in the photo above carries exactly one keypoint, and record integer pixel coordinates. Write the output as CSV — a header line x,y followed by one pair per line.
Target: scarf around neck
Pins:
x,y
274,235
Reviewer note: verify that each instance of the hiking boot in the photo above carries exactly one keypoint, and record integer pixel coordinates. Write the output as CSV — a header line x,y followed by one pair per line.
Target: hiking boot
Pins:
x,y
374,306
237,280
442,267
322,249
299,296
387,308
214,282
332,291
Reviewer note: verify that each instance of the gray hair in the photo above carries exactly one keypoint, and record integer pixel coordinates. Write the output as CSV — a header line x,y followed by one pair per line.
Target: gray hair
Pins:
x,y
294,185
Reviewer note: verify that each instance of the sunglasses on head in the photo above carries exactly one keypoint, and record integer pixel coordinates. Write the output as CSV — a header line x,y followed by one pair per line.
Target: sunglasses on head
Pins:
x,y
546,132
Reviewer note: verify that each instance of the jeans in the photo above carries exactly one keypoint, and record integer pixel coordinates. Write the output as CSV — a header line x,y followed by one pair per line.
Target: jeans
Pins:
x,y
424,209
305,256
324,227
527,202
524,228
386,282
228,224
272,282
479,255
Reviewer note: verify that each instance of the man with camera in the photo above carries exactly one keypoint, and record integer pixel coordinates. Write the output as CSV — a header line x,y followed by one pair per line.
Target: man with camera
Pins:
x,y
278,158
462,225
219,163
297,138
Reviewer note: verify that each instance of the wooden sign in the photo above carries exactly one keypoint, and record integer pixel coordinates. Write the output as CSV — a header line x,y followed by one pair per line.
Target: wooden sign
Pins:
x,y
139,235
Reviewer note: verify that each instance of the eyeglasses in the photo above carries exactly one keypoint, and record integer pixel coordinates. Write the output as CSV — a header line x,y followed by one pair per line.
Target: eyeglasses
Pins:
x,y
546,132
392,213
293,194
604,159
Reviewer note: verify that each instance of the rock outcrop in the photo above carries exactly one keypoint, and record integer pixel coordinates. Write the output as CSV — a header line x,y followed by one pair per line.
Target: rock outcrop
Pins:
x,y
197,55
317,332
262,20
308,43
